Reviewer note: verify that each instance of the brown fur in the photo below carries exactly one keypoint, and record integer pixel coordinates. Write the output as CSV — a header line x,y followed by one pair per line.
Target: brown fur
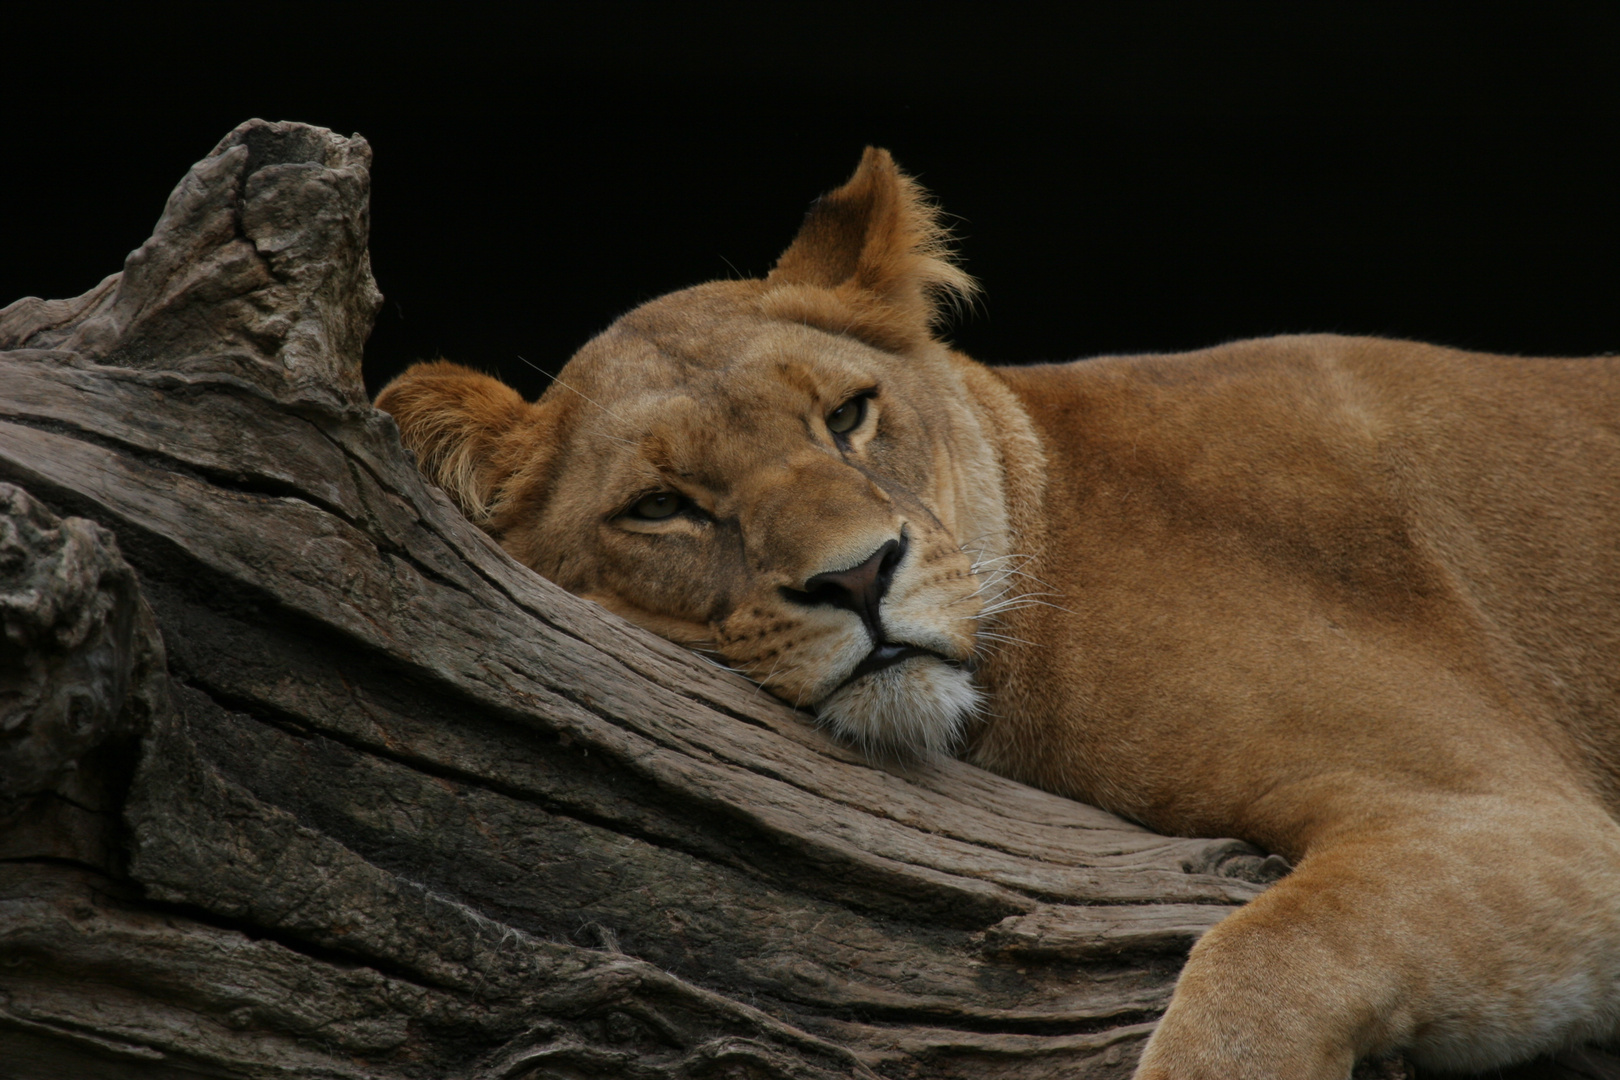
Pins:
x,y
1357,601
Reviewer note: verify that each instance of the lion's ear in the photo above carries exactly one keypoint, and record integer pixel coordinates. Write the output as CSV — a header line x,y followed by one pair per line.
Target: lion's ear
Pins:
x,y
455,420
878,246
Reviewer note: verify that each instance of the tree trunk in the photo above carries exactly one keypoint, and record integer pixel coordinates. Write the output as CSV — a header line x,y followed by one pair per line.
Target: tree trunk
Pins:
x,y
328,786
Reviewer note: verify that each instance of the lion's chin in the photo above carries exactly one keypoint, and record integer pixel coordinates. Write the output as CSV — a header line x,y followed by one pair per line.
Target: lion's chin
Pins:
x,y
919,706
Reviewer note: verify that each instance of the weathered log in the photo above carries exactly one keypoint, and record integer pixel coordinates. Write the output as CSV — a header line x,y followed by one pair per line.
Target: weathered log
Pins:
x,y
349,793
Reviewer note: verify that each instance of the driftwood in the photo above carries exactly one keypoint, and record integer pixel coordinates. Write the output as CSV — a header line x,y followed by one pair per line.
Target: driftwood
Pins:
x,y
301,776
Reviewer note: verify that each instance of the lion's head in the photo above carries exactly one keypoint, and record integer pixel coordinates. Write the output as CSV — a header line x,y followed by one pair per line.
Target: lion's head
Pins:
x,y
791,476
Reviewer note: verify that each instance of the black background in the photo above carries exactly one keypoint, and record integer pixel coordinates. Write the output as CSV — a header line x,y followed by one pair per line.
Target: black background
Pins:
x,y
1131,177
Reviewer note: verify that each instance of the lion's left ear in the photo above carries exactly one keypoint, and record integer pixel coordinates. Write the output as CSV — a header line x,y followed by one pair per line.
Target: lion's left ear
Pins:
x,y
471,434
877,246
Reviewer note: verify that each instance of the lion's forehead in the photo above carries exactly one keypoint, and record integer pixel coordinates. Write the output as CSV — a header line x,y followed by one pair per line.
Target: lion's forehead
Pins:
x,y
756,362
752,409
702,420
650,437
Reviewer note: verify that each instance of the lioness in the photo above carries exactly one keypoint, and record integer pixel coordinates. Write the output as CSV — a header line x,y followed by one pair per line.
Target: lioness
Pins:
x,y
1357,601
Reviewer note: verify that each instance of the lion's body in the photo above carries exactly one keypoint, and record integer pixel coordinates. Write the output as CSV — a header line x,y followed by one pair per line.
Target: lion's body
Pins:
x,y
1302,539
1357,601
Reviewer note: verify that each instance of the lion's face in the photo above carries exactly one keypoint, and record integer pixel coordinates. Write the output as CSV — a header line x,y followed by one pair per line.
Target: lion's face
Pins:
x,y
750,469
770,494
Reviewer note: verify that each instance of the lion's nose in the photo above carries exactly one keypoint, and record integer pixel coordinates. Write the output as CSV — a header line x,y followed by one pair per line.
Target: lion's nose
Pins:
x,y
859,589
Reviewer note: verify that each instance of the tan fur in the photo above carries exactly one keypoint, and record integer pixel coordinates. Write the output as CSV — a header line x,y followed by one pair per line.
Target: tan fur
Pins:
x,y
1357,601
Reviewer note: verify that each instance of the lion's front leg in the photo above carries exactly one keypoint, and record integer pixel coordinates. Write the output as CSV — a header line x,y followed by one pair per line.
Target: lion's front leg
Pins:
x,y
1473,932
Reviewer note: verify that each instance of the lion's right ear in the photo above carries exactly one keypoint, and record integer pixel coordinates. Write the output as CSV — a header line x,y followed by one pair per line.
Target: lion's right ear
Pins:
x,y
872,259
455,420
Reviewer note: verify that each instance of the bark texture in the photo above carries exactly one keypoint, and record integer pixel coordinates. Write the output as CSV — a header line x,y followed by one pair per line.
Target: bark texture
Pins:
x,y
301,776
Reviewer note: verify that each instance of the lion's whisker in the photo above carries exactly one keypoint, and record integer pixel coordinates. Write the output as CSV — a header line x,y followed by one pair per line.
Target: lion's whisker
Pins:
x,y
558,380
1008,638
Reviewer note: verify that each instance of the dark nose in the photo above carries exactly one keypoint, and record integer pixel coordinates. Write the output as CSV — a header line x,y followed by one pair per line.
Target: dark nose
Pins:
x,y
859,589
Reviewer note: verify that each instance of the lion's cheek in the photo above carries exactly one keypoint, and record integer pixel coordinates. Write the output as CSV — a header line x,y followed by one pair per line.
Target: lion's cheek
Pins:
x,y
671,580
936,606
800,656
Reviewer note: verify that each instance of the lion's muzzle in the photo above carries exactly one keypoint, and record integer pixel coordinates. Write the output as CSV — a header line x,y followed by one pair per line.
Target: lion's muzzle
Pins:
x,y
859,589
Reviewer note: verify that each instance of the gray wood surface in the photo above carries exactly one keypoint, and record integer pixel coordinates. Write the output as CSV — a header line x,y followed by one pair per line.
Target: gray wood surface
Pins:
x,y
379,802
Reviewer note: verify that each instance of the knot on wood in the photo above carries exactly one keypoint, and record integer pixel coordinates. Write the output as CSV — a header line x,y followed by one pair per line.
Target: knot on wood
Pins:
x,y
69,606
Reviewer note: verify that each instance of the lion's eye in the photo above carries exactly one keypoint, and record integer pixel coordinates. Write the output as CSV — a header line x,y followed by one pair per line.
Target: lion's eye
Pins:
x,y
660,504
848,416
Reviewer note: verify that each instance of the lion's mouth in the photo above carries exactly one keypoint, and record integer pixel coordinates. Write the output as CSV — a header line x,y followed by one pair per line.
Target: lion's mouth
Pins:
x,y
889,654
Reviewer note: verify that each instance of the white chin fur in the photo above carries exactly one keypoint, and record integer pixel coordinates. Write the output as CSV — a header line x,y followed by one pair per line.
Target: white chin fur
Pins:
x,y
918,707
